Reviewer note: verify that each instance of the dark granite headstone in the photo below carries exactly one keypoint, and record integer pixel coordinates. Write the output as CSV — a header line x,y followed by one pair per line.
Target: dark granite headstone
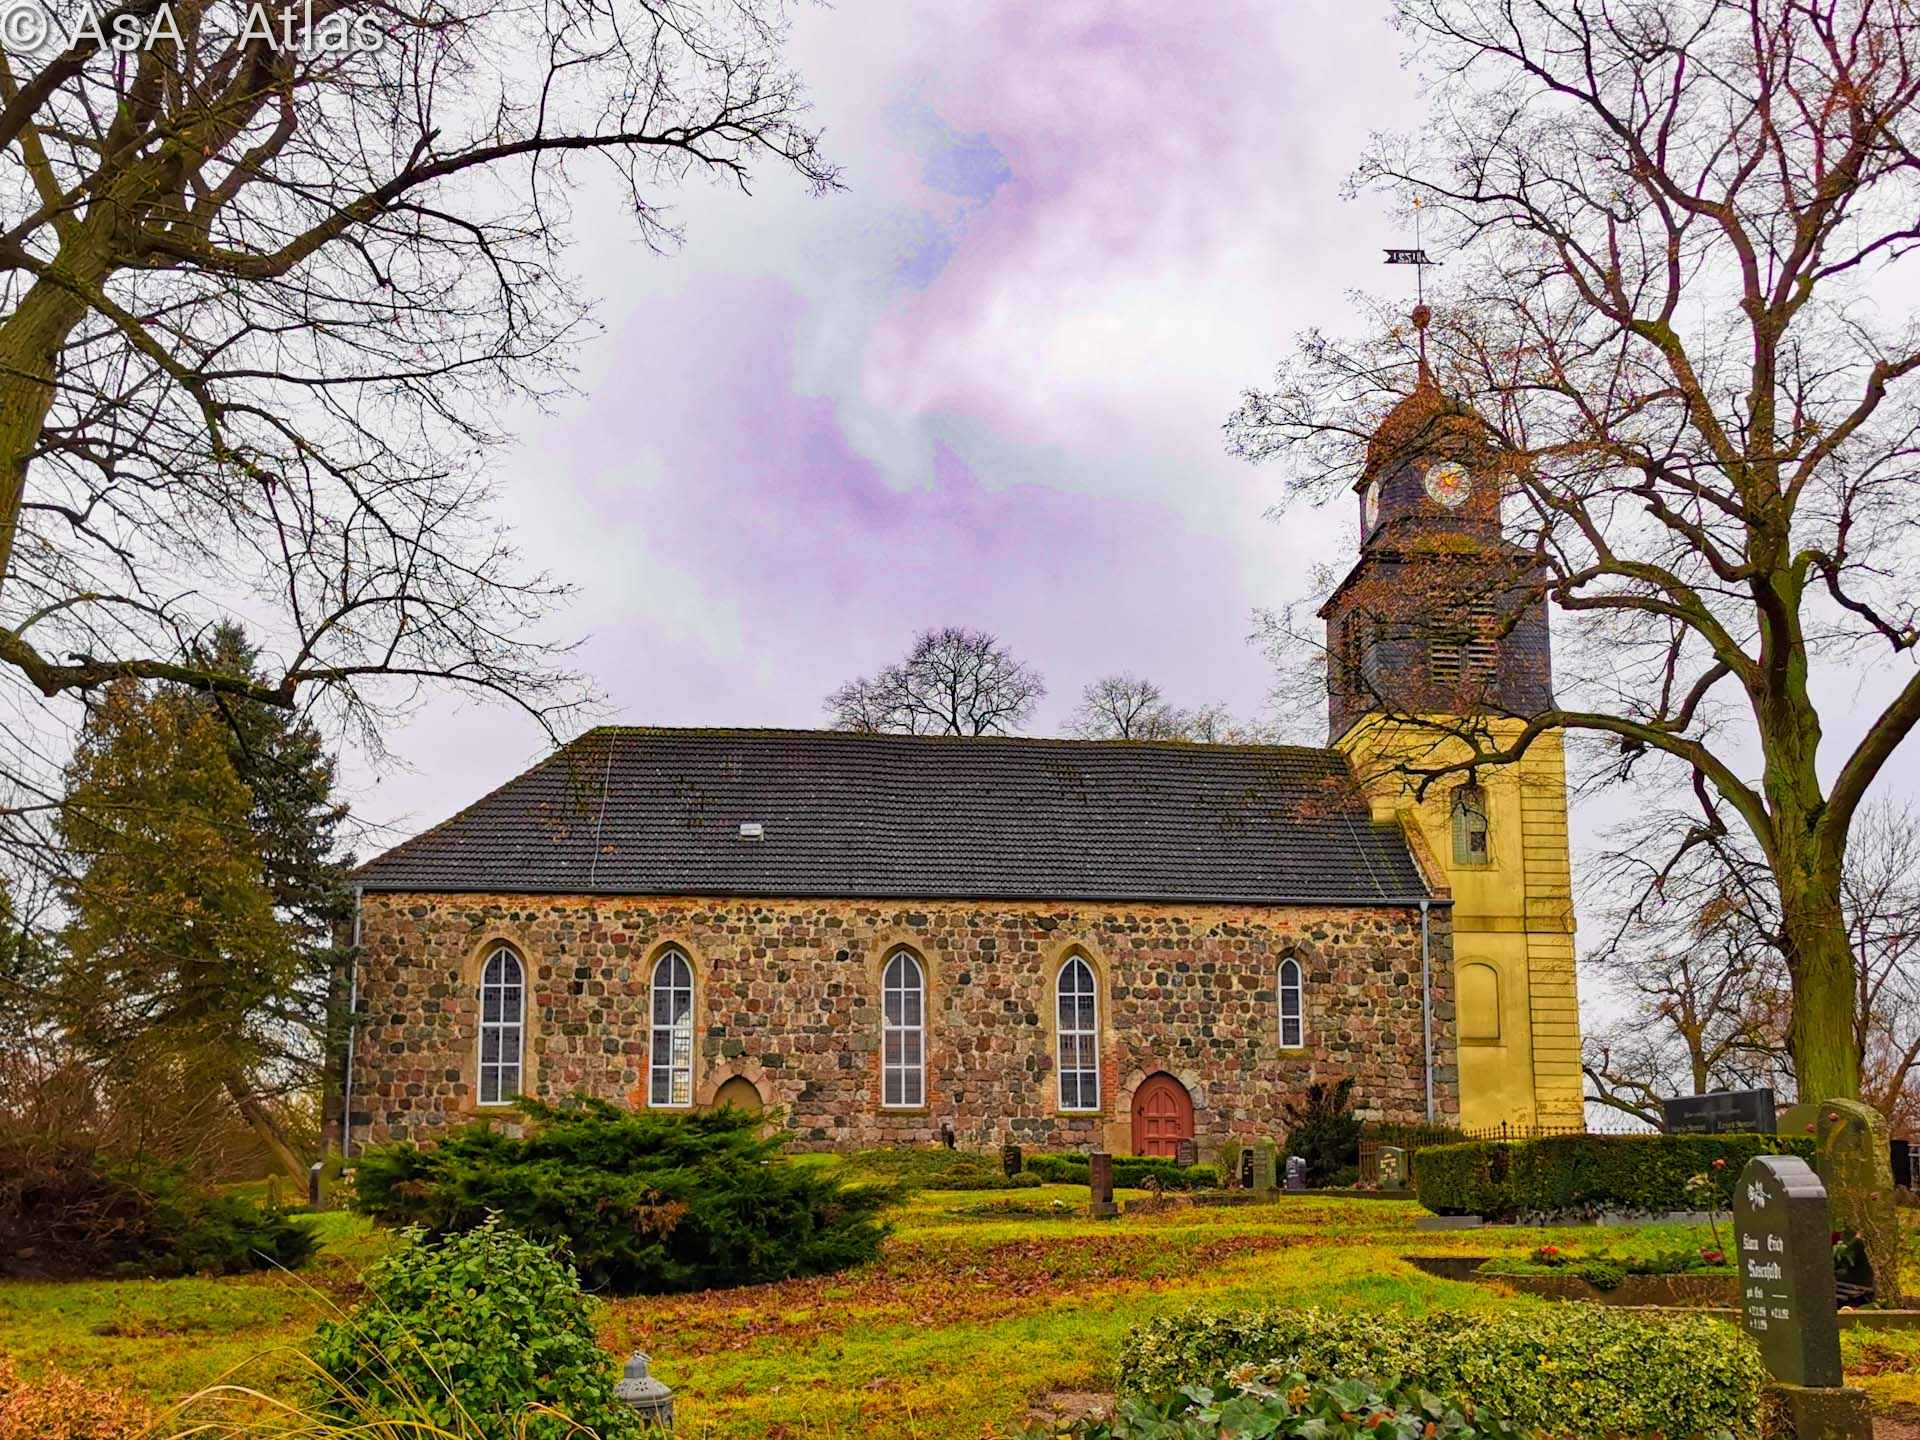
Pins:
x,y
315,1191
1296,1173
1785,1255
947,1137
1246,1167
1393,1168
1100,1179
1900,1156
1185,1153
1011,1160
1724,1112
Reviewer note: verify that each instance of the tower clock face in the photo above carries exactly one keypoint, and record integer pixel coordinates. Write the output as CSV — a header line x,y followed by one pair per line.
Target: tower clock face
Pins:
x,y
1449,484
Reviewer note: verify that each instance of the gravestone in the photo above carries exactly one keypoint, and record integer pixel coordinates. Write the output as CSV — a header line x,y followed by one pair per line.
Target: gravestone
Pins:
x,y
1296,1173
1011,1160
1185,1153
1393,1168
1900,1158
1724,1112
1785,1266
1852,1159
1239,1166
315,1191
947,1137
1264,1180
1100,1180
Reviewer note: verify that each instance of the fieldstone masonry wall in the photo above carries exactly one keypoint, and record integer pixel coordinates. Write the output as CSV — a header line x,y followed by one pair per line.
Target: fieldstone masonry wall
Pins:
x,y
787,996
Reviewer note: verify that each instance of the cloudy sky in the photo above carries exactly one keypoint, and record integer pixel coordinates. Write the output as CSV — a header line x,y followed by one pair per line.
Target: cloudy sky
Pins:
x,y
983,385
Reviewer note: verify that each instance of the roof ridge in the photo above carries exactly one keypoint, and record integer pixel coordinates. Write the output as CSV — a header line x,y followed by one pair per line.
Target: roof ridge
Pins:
x,y
895,737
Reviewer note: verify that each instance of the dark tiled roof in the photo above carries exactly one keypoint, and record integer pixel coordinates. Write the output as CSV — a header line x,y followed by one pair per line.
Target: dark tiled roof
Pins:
x,y
657,812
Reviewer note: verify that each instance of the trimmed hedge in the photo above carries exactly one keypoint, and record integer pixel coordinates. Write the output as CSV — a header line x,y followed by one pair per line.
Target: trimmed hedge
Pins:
x,y
914,1168
1286,1408
1558,1370
1130,1172
1561,1173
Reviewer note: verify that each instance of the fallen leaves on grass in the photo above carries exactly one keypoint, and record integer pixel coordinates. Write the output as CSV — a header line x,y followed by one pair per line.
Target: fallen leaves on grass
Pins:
x,y
924,1283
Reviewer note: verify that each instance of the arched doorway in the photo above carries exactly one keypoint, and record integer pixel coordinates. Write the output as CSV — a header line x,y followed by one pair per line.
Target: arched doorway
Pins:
x,y
739,1092
1162,1116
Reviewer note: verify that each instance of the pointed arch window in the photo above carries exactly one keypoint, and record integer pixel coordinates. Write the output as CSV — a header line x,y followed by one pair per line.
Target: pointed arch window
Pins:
x,y
503,1010
670,1056
903,1033
1293,1005
1472,837
1078,1029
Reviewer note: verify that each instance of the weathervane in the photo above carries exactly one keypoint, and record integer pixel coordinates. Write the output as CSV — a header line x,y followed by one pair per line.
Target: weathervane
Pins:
x,y
1417,258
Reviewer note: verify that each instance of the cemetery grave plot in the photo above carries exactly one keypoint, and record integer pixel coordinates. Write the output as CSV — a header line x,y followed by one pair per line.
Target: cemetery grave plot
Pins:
x,y
968,1320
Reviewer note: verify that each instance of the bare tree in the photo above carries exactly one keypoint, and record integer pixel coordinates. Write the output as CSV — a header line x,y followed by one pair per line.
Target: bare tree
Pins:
x,y
1124,707
1668,336
953,682
1686,950
1695,945
264,290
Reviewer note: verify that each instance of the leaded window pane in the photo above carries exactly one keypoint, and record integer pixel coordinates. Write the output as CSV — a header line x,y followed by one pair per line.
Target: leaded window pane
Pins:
x,y
1077,1006
502,1005
903,1031
670,1064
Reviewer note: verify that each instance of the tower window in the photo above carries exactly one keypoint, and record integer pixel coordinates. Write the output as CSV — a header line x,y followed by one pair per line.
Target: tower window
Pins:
x,y
1356,659
1482,647
1470,829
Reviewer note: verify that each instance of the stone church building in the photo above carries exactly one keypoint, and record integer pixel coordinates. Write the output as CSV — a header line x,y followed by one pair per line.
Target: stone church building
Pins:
x,y
1064,944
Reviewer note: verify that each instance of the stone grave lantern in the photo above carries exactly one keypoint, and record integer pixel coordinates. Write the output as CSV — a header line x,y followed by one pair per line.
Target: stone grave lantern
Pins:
x,y
652,1401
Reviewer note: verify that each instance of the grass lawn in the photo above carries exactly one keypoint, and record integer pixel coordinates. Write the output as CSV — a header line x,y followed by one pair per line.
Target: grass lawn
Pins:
x,y
972,1315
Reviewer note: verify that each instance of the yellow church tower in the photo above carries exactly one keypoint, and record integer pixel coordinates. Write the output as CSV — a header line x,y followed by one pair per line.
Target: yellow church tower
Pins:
x,y
1439,631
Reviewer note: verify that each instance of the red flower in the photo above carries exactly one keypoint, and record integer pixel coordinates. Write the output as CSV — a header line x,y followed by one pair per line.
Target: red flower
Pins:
x,y
1719,1164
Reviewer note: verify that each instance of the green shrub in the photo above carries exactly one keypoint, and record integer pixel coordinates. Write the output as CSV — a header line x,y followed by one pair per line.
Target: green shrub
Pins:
x,y
1569,1173
65,1210
642,1202
485,1332
1287,1406
1601,1274
1323,1131
1561,1369
1130,1172
938,1168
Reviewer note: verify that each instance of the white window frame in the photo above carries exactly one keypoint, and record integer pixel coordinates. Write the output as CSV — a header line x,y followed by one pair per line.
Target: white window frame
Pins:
x,y
1082,1027
1471,805
903,1029
1293,1027
670,1044
503,984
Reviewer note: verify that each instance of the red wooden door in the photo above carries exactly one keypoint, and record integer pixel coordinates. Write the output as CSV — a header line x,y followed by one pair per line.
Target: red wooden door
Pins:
x,y
1162,1116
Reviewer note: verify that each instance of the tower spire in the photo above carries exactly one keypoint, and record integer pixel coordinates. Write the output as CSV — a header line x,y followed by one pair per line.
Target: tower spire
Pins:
x,y
1417,257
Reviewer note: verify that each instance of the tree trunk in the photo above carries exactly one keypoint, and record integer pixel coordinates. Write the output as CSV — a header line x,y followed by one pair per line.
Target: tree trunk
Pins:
x,y
257,1116
30,343
1826,1053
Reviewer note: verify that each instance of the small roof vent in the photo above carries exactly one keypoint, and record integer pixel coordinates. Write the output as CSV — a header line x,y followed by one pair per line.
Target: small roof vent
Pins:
x,y
752,830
